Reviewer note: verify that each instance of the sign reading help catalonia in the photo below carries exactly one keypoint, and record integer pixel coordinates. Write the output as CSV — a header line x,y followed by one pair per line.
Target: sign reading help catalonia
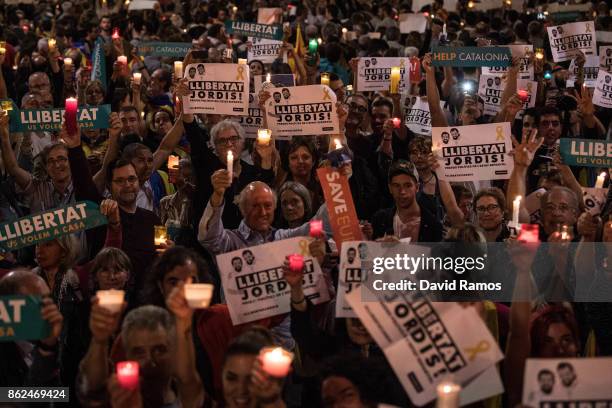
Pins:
x,y
471,56
89,117
20,319
51,224
221,89
568,39
163,49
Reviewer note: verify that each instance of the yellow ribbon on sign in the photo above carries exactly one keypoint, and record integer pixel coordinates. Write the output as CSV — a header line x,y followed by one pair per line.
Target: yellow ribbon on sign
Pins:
x,y
240,70
304,250
529,86
326,94
500,133
588,27
402,63
482,347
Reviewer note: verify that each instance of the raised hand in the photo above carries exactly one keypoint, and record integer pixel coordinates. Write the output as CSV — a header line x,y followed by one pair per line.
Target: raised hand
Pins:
x,y
293,278
524,152
220,181
110,209
426,64
177,303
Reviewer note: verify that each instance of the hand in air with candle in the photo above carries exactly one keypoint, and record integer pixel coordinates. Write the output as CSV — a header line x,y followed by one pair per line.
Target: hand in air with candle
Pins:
x,y
114,131
122,397
102,322
71,140
176,302
263,98
220,181
264,387
524,151
585,102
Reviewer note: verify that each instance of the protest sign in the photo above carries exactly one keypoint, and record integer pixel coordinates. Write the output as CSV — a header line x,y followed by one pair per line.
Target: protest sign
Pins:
x,y
142,5
568,39
20,319
603,90
409,22
533,204
349,274
51,224
605,57
98,68
342,215
473,153
253,121
424,342
567,382
163,49
222,89
303,110
253,282
242,28
471,56
591,68
520,51
490,89
269,15
594,199
89,117
374,73
416,114
586,152
532,91
263,50
276,81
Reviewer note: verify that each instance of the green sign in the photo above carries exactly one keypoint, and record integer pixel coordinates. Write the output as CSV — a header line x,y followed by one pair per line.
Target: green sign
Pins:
x,y
98,70
586,152
241,28
20,319
163,49
89,117
51,224
471,56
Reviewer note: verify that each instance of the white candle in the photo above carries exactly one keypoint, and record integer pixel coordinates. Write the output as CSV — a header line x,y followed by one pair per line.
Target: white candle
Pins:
x,y
600,180
198,295
178,69
137,76
230,163
268,77
263,136
516,205
448,395
122,59
67,62
338,144
51,43
111,300
444,29
276,361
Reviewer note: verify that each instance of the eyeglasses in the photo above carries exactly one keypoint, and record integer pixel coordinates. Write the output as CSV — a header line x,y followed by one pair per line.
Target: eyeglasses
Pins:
x,y
59,160
553,123
561,208
358,108
129,180
488,209
227,142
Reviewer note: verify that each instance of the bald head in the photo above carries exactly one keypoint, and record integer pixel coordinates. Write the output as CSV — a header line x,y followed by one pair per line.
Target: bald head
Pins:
x,y
257,203
23,282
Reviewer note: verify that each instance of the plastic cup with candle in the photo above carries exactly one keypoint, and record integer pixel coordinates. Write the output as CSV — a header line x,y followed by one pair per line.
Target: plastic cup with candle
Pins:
x,y
178,69
316,228
523,95
296,262
137,76
396,122
516,206
276,361
539,54
242,61
127,374
448,394
264,136
325,78
395,80
173,162
338,144
71,115
599,183
161,235
111,300
198,295
122,59
230,164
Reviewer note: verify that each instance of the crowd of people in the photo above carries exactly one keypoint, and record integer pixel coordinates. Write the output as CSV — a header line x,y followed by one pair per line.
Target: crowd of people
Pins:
x,y
198,357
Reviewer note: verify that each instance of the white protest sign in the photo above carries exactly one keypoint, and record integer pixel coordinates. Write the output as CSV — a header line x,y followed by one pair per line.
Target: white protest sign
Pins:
x,y
252,122
591,68
532,91
269,15
605,57
533,204
594,199
263,50
603,90
349,274
473,153
417,116
374,73
566,40
303,110
409,22
490,89
142,5
425,342
222,89
276,81
253,282
604,37
567,382
518,50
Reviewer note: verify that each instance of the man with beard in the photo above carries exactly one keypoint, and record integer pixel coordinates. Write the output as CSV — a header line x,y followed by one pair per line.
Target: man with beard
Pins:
x,y
568,378
549,128
237,263
546,379
413,214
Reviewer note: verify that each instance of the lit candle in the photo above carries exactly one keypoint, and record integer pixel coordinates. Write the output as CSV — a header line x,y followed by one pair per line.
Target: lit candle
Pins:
x,y
565,232
230,164
539,54
395,80
198,295
530,233
71,115
523,95
111,300
2,50
268,77
316,228
396,122
296,263
338,144
115,35
319,41
470,4
161,235
276,361
349,88
263,136
313,46
508,2
173,162
235,9
242,61
67,62
516,205
344,31
178,69
448,395
51,43
325,78
600,180
122,59
127,374
137,76
444,29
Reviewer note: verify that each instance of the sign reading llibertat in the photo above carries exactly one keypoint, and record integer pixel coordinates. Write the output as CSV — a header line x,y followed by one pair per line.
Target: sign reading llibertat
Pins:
x,y
568,40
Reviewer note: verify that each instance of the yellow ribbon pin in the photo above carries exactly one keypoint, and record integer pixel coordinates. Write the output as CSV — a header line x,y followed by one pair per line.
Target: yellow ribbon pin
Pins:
x,y
304,250
240,70
500,133
326,94
588,27
482,347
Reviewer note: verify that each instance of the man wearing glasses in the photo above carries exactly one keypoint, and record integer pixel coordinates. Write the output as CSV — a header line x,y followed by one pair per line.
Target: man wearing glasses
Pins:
x,y
490,205
549,128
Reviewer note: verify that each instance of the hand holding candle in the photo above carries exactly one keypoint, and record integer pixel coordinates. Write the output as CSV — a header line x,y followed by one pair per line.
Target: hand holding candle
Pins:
x,y
137,76
296,263
67,63
115,35
71,116
338,144
230,164
316,228
111,300
276,361
127,374
396,122
325,78
161,235
600,180
523,95
52,44
264,136
198,295
448,395
122,59
178,70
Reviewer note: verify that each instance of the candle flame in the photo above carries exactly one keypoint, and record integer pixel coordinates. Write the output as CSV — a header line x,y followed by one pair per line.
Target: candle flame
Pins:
x,y
338,144
268,77
603,174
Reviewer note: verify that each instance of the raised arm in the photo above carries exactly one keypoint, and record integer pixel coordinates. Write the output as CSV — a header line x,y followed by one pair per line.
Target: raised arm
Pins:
x,y
22,177
438,119
112,151
211,233
449,81
168,143
523,156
